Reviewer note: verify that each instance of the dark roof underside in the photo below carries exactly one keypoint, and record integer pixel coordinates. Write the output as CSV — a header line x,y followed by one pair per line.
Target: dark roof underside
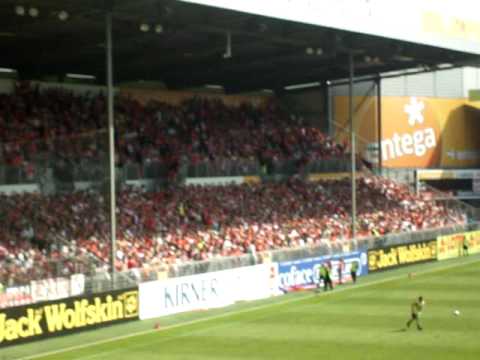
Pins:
x,y
266,53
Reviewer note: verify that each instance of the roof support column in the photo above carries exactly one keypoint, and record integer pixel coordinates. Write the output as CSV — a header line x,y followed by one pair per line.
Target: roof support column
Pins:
x,y
378,82
111,143
352,145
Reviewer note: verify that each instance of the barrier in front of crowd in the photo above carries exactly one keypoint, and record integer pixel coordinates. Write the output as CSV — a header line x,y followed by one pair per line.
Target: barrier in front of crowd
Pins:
x,y
292,254
216,289
304,273
93,171
63,287
207,291
392,257
277,276
59,317
43,290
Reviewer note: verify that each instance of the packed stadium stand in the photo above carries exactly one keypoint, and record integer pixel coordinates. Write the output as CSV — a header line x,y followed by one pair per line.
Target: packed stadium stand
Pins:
x,y
57,126
180,224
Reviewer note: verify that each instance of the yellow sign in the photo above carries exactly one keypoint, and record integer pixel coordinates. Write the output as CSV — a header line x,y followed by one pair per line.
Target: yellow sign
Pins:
x,y
473,242
451,27
449,246
252,179
452,246
421,132
330,176
395,256
57,317
435,174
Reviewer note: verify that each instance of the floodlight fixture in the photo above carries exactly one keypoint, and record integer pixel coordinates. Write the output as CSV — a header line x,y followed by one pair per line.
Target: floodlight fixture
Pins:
x,y
80,76
228,46
7,70
302,86
20,10
309,51
63,15
144,27
33,12
214,87
158,28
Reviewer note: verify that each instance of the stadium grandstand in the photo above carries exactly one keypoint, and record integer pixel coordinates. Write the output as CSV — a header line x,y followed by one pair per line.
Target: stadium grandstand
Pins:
x,y
149,140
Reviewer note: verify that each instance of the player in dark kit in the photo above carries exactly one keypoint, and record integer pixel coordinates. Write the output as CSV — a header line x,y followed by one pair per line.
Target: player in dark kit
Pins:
x,y
416,311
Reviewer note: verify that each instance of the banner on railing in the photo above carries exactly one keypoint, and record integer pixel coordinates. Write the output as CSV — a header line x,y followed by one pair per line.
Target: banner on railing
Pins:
x,y
44,320
16,296
304,274
206,291
58,288
43,290
401,255
223,180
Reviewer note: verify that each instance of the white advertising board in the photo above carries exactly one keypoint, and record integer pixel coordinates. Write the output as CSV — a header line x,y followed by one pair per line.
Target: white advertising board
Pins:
x,y
450,24
206,291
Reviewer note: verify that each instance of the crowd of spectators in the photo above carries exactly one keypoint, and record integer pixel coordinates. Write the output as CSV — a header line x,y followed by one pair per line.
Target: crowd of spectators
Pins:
x,y
43,236
58,125
182,224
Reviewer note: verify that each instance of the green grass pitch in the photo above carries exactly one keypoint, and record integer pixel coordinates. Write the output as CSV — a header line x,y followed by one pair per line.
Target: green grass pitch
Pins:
x,y
364,321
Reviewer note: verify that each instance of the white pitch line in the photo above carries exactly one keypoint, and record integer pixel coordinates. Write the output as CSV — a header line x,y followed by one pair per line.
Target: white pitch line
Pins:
x,y
228,314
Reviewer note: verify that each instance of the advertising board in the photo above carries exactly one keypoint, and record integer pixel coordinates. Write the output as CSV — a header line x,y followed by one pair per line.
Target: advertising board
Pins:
x,y
303,274
43,290
401,255
451,246
42,320
206,291
416,132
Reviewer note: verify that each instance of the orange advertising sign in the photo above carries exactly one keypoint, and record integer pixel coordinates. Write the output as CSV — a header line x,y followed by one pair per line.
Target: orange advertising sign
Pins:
x,y
413,138
417,132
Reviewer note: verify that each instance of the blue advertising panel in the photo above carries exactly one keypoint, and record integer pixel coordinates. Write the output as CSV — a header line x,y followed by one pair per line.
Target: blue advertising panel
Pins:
x,y
304,274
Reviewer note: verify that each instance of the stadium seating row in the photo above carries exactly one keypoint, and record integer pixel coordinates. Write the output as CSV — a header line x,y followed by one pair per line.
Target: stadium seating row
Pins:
x,y
182,224
54,126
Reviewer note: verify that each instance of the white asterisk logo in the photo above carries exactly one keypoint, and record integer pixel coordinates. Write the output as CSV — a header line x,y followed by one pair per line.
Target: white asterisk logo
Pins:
x,y
414,111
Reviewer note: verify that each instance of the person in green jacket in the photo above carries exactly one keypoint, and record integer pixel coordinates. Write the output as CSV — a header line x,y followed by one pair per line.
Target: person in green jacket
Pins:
x,y
353,271
325,275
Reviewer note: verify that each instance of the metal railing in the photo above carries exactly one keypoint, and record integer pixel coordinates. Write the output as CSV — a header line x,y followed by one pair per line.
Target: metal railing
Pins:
x,y
223,167
98,279
10,175
95,171
280,255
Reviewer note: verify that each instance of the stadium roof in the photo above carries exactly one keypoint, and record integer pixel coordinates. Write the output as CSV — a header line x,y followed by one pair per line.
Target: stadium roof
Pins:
x,y
185,45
